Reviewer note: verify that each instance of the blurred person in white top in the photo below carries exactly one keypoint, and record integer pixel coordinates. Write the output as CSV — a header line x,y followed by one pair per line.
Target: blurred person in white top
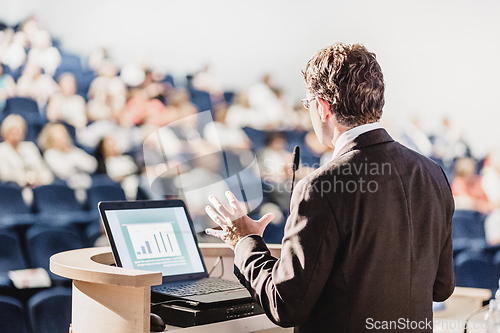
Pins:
x,y
220,133
13,49
68,162
35,85
43,54
20,161
490,182
107,82
66,105
263,99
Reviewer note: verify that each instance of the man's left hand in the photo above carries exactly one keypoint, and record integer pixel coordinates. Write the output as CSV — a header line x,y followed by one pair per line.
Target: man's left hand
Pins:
x,y
234,222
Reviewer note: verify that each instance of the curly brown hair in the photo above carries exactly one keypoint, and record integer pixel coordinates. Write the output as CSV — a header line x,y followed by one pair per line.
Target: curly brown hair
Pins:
x,y
350,79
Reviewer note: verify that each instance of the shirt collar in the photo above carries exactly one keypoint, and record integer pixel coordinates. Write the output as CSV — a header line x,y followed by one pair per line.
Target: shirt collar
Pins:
x,y
351,134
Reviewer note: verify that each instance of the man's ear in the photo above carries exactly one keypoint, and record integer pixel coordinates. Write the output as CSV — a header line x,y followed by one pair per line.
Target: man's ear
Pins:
x,y
323,109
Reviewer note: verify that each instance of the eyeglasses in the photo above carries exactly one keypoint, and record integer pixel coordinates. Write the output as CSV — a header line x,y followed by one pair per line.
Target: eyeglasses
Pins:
x,y
307,102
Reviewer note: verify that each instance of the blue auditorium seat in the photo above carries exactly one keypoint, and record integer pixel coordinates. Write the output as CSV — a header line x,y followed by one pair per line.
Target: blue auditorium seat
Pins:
x,y
228,97
169,80
69,63
14,210
12,316
468,231
42,241
95,194
103,179
83,81
104,193
25,107
475,269
57,204
307,156
257,137
201,99
11,251
50,310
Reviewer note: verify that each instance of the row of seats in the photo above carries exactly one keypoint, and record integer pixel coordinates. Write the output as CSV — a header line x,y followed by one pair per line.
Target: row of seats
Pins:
x,y
56,205
468,231
477,264
477,269
34,247
48,311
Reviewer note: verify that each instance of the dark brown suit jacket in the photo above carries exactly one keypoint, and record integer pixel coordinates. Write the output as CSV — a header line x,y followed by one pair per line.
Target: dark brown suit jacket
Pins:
x,y
367,244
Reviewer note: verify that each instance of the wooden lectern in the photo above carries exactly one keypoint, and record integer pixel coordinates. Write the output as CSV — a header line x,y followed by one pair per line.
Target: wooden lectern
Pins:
x,y
105,298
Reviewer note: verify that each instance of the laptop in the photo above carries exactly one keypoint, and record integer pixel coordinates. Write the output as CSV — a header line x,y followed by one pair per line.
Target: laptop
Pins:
x,y
159,236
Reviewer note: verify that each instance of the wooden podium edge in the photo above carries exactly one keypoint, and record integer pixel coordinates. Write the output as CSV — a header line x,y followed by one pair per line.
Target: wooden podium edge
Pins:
x,y
93,265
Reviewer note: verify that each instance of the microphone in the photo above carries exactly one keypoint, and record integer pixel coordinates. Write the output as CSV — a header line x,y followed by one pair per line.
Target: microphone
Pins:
x,y
295,165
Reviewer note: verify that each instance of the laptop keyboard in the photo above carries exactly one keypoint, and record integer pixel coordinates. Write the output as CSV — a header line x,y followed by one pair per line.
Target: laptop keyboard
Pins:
x,y
201,287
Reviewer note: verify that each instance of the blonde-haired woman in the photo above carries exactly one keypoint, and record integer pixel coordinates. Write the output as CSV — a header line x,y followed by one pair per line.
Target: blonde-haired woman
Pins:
x,y
68,162
21,161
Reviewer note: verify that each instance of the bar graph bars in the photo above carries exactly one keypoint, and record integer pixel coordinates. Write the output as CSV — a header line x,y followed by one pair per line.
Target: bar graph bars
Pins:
x,y
154,240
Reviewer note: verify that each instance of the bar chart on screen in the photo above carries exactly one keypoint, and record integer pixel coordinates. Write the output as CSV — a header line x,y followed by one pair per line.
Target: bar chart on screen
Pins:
x,y
154,240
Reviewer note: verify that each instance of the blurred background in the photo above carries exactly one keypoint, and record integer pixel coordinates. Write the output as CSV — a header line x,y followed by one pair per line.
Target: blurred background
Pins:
x,y
84,83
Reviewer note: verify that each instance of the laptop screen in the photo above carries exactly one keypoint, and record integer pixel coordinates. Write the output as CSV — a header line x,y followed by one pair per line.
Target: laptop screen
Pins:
x,y
155,239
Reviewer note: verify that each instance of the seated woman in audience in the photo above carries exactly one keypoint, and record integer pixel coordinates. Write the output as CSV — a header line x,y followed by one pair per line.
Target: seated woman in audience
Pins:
x,y
220,133
66,105
20,161
108,82
491,177
140,106
466,187
68,162
275,165
119,167
35,85
43,54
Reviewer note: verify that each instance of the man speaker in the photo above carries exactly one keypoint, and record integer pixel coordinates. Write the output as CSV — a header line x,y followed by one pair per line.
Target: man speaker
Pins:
x,y
368,242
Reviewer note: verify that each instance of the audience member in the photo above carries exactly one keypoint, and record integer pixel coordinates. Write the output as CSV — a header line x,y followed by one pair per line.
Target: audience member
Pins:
x,y
43,54
179,104
205,80
240,114
68,162
20,161
262,98
415,138
139,107
14,54
35,85
302,118
119,167
200,182
466,187
275,168
491,177
220,133
107,82
66,105
448,144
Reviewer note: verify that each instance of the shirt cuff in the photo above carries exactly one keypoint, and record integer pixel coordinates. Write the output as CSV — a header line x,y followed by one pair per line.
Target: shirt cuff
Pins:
x,y
236,246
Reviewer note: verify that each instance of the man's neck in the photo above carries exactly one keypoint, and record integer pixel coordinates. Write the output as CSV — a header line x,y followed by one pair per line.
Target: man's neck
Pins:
x,y
338,131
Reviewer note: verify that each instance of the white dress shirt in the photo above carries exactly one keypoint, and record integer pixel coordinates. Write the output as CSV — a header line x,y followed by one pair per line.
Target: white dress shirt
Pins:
x,y
351,134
